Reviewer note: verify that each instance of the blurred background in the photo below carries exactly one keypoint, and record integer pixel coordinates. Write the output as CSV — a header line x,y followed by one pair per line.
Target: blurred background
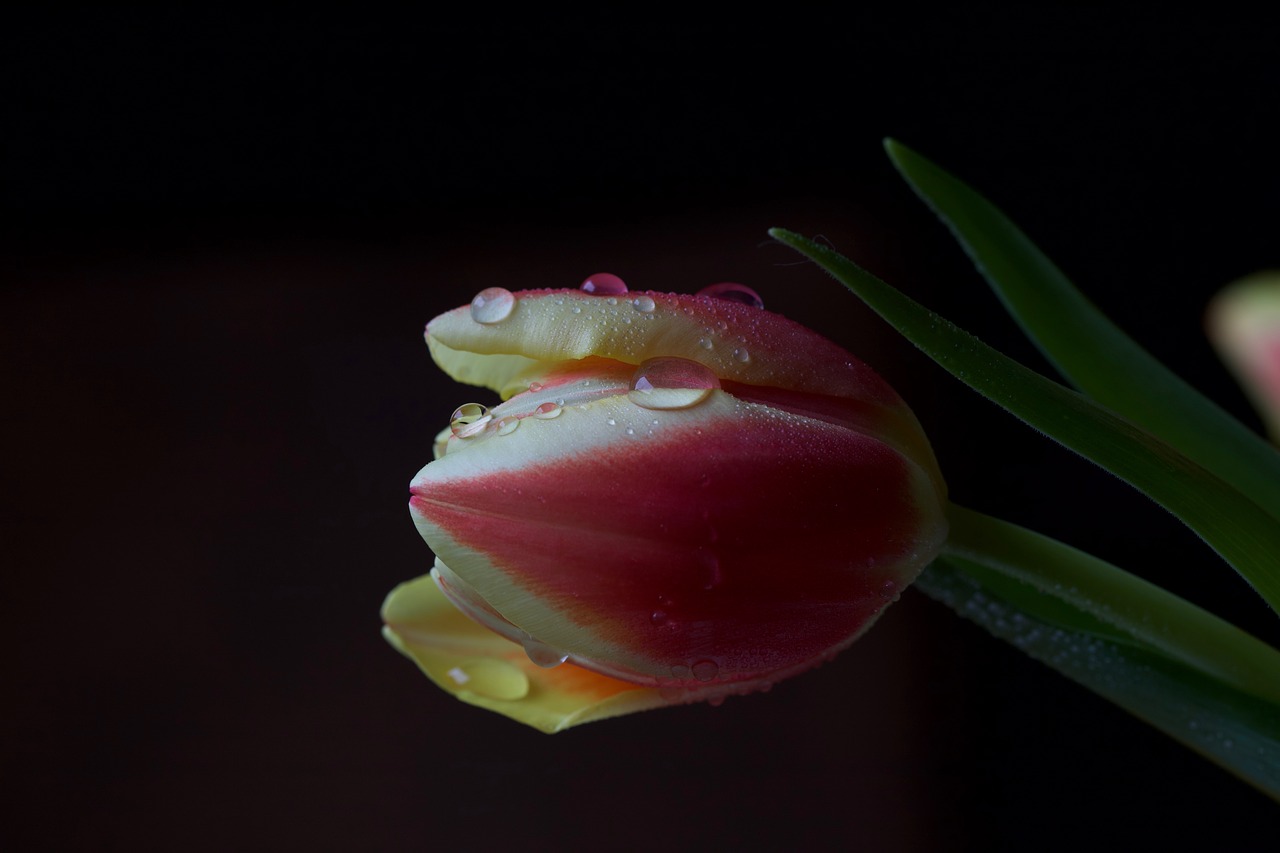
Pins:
x,y
225,235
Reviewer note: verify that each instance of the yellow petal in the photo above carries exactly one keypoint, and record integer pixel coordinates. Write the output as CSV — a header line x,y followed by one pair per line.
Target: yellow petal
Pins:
x,y
485,670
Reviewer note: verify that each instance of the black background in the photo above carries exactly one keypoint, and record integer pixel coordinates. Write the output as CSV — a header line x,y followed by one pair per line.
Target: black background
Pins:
x,y
225,236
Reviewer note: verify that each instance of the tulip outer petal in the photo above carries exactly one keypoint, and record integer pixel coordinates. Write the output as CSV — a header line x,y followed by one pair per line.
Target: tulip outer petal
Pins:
x,y
425,627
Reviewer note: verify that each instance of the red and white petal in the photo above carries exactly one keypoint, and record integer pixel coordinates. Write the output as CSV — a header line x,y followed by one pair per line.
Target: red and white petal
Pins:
x,y
722,542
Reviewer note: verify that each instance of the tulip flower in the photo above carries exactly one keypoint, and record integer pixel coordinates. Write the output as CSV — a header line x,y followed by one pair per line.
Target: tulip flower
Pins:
x,y
1244,325
682,497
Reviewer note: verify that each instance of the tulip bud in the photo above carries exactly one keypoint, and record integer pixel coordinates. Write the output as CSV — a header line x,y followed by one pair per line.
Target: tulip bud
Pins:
x,y
684,493
1244,325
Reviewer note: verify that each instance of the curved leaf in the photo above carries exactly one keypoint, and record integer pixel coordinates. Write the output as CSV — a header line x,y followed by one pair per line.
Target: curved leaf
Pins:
x,y
1087,348
1243,533
1231,727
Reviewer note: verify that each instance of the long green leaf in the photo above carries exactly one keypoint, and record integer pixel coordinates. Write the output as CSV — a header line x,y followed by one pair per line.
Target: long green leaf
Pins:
x,y
1087,348
1092,596
1244,534
1234,728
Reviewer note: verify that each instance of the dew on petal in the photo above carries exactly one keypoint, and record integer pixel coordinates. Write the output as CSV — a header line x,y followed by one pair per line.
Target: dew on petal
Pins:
x,y
741,354
492,305
643,304
671,383
603,284
715,701
490,678
733,292
542,654
658,617
681,671
705,343
547,411
705,670
469,420
535,386
507,425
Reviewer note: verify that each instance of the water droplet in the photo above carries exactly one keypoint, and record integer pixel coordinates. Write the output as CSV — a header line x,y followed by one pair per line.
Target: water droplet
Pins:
x,y
611,422
733,292
715,701
888,590
705,343
535,386
577,309
671,383
741,354
681,671
547,411
507,425
658,617
604,284
491,678
469,420
643,304
492,305
631,431
542,654
705,670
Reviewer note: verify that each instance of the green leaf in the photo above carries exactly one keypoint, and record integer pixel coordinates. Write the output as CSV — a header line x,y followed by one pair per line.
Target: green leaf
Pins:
x,y
1244,534
1077,591
1087,348
1236,729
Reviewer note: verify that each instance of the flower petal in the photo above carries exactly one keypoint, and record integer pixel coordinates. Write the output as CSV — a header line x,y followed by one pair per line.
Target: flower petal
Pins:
x,y
481,668
729,532
1244,325
740,343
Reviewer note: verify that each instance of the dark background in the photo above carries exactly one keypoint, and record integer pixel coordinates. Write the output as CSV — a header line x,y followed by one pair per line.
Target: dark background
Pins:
x,y
225,236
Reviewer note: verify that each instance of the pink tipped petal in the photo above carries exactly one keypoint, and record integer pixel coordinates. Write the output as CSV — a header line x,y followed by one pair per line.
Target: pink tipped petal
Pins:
x,y
740,343
1244,325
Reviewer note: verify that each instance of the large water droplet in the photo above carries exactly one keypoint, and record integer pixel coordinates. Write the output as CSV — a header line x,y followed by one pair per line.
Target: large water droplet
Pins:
x,y
492,305
507,425
547,411
604,284
733,292
643,304
541,654
705,343
469,420
741,354
491,678
671,383
705,670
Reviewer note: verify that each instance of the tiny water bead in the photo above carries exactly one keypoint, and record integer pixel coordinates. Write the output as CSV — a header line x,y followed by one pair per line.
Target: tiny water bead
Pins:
x,y
603,284
469,420
492,305
733,292
547,411
741,354
643,304
668,382
542,654
705,670
507,425
490,678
